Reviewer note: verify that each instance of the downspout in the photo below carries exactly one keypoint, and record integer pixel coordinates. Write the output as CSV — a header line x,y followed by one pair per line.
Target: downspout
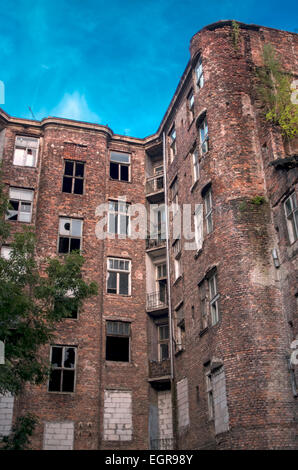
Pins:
x,y
173,390
168,257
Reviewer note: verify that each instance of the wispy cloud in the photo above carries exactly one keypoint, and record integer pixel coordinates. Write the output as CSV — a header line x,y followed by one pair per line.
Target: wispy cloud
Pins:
x,y
75,106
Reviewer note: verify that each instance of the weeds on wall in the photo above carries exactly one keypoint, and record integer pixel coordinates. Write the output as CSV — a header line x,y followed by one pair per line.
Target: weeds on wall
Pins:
x,y
275,92
235,34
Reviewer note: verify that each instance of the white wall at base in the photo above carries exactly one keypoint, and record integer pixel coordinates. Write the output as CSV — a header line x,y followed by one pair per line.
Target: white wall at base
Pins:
x,y
6,413
58,435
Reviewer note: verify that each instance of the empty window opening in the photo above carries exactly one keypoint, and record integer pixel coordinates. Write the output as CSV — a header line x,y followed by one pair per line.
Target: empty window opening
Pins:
x,y
73,178
117,341
120,166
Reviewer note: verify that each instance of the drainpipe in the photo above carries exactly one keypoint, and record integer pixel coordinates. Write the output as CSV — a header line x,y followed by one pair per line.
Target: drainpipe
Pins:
x,y
173,391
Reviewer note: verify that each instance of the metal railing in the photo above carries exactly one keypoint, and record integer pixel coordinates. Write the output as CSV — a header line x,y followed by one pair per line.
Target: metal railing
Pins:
x,y
162,444
155,240
154,184
156,300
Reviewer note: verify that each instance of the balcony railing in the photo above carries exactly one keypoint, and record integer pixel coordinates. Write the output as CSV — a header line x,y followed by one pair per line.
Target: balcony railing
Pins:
x,y
157,300
155,184
155,240
162,444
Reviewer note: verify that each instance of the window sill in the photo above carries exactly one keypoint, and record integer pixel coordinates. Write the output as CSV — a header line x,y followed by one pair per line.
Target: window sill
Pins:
x,y
25,166
119,295
192,188
178,279
197,253
202,332
119,181
62,393
177,353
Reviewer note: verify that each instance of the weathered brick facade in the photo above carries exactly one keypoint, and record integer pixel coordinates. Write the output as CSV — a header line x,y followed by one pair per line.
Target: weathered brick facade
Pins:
x,y
231,312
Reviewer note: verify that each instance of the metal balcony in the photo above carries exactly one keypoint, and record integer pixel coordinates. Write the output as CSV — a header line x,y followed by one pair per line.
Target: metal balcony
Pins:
x,y
156,241
155,188
156,301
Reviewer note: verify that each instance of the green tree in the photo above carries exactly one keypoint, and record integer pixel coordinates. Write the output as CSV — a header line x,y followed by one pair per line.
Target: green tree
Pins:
x,y
33,300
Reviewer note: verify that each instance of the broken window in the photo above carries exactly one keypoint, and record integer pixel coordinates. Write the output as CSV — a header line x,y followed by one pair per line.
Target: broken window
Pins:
x,y
291,211
214,297
163,341
25,151
120,166
63,362
70,234
118,278
191,106
204,138
173,147
117,341
199,73
208,210
73,178
118,218
20,201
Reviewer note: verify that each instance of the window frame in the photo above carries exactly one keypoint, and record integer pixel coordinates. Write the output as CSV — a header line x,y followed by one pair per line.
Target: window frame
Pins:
x,y
204,142
163,340
208,210
195,166
26,148
118,271
119,335
70,236
213,298
120,164
191,105
73,177
210,398
292,217
199,73
20,202
117,214
62,368
173,143
203,305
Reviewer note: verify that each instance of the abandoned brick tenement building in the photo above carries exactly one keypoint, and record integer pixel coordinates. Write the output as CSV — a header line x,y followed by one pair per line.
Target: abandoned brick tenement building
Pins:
x,y
182,348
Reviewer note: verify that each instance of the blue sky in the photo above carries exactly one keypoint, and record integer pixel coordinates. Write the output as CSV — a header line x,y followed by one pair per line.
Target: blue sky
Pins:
x,y
114,62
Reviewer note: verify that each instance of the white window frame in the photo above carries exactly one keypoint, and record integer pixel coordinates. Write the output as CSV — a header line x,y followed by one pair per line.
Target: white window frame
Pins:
x,y
69,235
118,213
199,73
208,210
213,299
177,268
163,339
291,213
173,143
26,197
204,137
191,105
203,305
118,271
161,271
26,147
